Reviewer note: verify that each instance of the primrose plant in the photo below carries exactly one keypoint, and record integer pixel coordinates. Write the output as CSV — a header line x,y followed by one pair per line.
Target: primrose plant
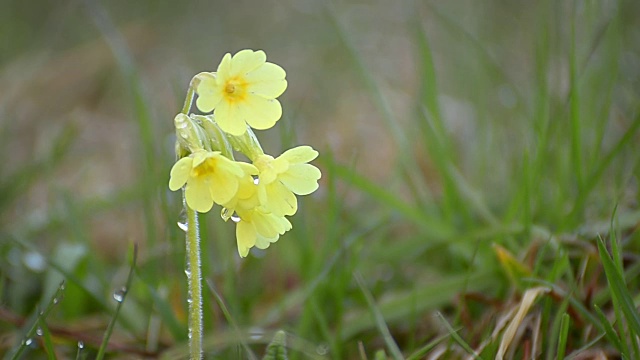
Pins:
x,y
256,196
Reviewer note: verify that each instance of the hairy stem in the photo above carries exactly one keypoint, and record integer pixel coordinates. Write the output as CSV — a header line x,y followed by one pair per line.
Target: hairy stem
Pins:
x,y
194,278
193,272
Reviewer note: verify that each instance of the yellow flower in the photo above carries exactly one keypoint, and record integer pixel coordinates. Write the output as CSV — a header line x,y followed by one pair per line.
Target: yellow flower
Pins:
x,y
284,176
209,176
246,198
259,228
243,91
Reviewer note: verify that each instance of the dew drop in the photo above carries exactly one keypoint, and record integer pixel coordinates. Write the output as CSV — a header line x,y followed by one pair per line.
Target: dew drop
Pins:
x,y
118,295
256,181
183,226
80,344
39,331
28,342
187,272
180,124
184,135
235,218
256,334
225,214
55,300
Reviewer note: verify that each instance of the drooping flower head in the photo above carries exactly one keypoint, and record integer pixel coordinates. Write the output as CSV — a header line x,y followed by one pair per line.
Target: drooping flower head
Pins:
x,y
259,228
243,91
284,176
209,176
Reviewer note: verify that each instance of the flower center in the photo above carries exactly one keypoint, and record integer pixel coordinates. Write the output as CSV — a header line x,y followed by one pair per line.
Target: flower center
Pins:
x,y
230,88
206,168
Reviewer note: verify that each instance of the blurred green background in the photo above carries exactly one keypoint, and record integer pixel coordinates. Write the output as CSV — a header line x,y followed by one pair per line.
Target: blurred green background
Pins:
x,y
444,128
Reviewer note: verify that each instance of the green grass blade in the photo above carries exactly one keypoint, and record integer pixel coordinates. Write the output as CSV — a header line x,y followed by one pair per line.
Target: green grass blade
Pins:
x,y
81,354
619,290
457,338
606,161
431,296
119,296
421,352
609,332
564,334
234,325
27,339
432,226
72,278
43,330
575,303
392,346
574,104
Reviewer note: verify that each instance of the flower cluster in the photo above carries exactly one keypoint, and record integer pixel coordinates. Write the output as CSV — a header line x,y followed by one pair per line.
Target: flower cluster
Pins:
x,y
258,195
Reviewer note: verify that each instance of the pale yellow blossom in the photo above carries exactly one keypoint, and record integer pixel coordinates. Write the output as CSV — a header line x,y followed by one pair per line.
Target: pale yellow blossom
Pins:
x,y
243,91
258,228
284,176
209,177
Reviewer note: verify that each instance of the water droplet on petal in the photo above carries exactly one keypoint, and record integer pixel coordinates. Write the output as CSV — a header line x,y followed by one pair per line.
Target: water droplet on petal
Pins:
x,y
119,295
256,181
235,218
225,214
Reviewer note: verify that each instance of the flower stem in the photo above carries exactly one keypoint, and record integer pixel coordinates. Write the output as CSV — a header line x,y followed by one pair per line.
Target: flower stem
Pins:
x,y
194,278
189,99
193,272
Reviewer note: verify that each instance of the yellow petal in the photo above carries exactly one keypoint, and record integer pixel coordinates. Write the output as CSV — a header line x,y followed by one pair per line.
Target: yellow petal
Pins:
x,y
264,242
299,155
229,165
280,200
265,165
267,72
268,81
224,186
261,113
302,179
224,69
247,60
280,165
199,157
249,169
246,187
180,173
265,224
230,119
198,196
246,237
209,93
